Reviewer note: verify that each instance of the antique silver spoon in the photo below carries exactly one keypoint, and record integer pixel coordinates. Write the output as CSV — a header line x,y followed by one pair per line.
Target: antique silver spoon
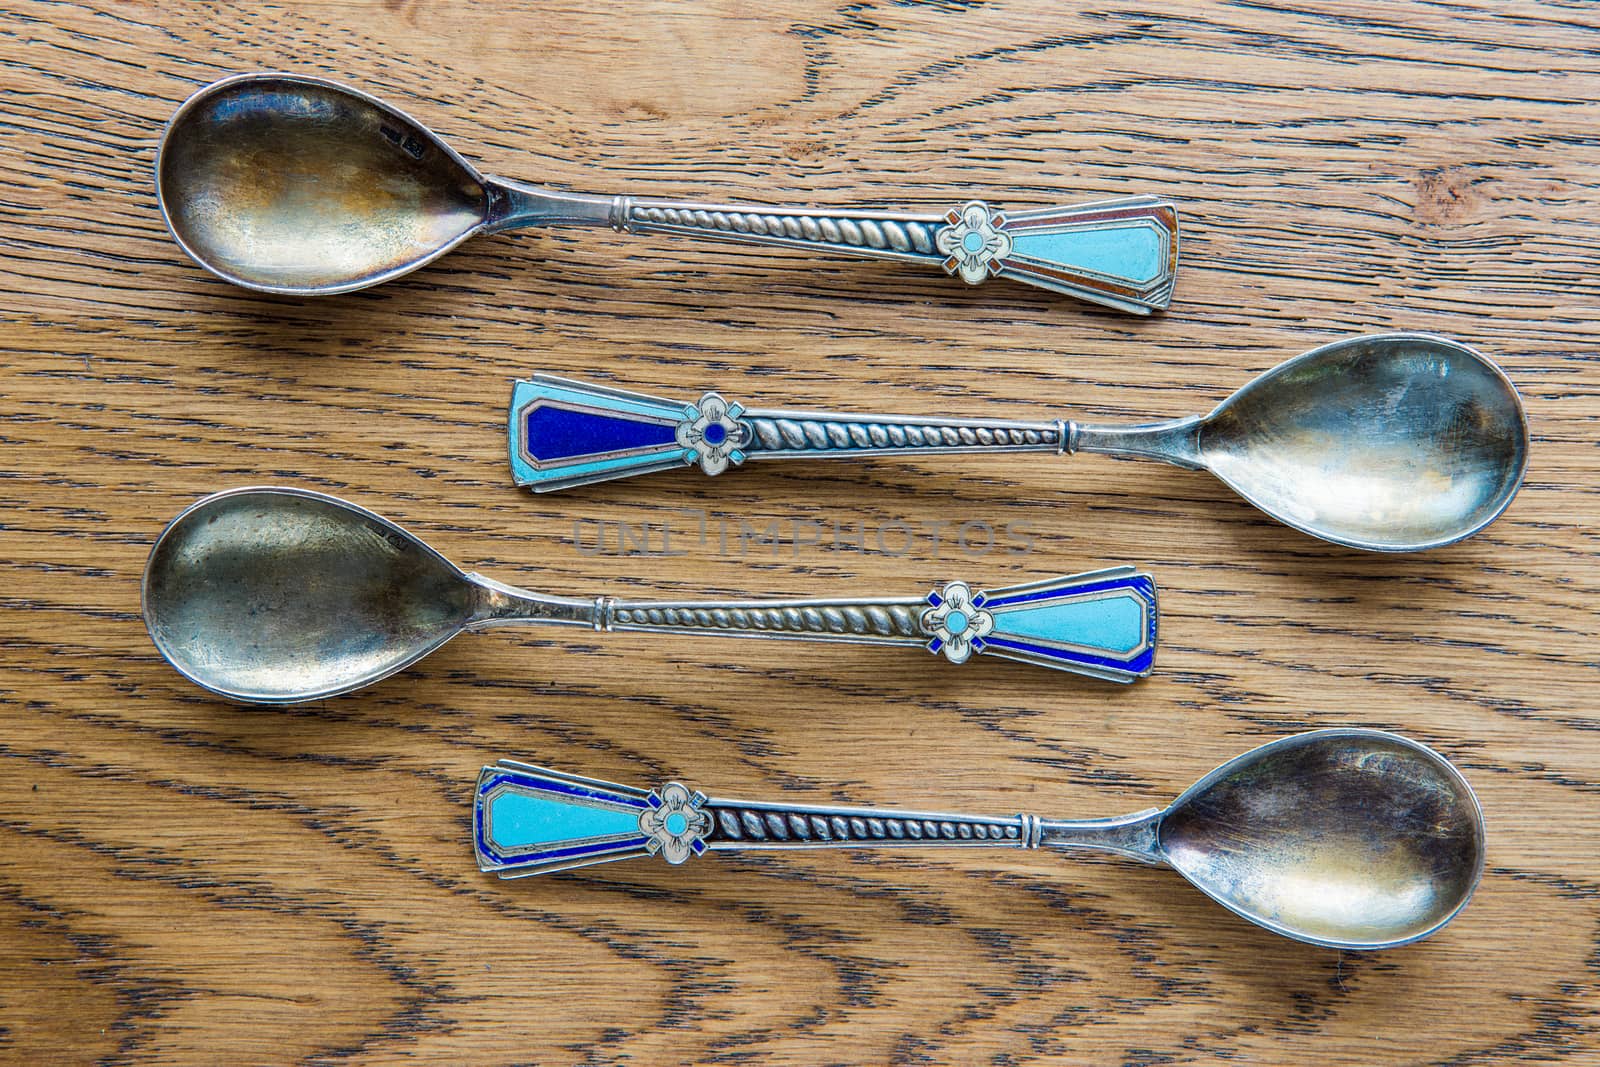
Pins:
x,y
289,184
1349,838
1388,442
274,596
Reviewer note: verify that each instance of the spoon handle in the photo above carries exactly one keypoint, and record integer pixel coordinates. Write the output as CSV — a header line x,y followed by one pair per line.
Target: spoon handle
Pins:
x,y
565,433
532,820
1121,253
1101,624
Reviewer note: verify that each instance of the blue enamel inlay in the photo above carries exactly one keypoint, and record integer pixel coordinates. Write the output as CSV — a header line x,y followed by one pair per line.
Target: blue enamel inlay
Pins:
x,y
1131,252
935,599
956,621
1138,583
972,242
676,823
566,797
548,854
1138,665
551,433
521,820
1115,624
715,433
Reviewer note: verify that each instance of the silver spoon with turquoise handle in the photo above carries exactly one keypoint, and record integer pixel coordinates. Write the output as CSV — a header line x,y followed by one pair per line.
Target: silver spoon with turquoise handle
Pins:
x,y
271,595
1349,838
289,184
1388,442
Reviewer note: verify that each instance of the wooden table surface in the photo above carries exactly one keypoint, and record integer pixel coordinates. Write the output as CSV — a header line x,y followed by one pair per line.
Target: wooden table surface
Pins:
x,y
187,881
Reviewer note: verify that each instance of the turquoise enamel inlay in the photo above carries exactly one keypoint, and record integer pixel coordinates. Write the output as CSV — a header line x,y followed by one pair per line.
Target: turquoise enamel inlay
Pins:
x,y
527,473
521,820
1116,624
956,621
676,823
972,242
1132,252
530,390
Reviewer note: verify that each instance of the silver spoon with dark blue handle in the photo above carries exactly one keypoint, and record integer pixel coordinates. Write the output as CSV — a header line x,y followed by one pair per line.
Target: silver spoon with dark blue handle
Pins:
x,y
1388,442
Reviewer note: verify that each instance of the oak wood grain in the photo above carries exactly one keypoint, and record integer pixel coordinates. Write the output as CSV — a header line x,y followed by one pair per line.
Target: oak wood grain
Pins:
x,y
185,881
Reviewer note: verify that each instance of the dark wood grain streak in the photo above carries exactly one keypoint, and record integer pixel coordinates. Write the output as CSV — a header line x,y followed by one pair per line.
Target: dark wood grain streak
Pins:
x,y
183,881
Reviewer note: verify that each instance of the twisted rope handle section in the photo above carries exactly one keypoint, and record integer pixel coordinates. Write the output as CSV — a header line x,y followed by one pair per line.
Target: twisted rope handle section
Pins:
x,y
865,620
898,236
757,825
780,432
1122,253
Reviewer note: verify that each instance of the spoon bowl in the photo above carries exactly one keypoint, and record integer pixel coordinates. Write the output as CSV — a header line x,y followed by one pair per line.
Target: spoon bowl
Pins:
x,y
1355,839
1387,442
292,185
270,596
